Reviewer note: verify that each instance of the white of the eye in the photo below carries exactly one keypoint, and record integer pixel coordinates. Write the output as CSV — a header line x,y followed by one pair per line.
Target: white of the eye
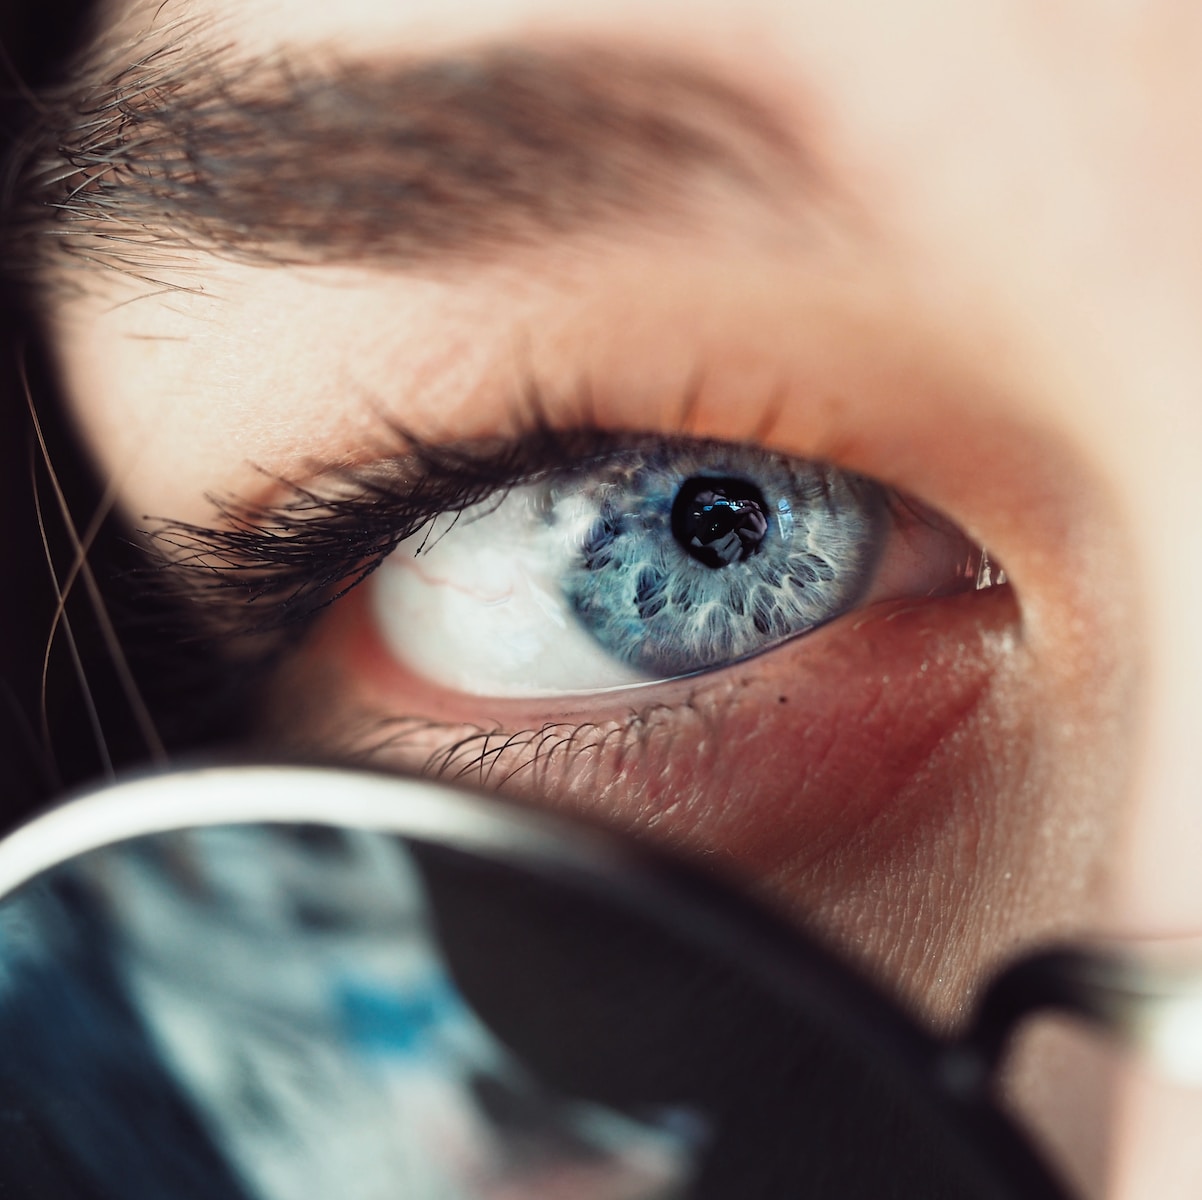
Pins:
x,y
477,607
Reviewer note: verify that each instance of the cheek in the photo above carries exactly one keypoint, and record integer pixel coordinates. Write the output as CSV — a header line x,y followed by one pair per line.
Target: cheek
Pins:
x,y
884,780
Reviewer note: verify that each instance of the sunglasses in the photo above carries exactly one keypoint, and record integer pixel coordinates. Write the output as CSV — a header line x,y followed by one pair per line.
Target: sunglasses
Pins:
x,y
269,983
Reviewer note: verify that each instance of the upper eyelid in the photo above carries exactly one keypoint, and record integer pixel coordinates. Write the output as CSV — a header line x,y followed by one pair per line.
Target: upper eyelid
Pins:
x,y
263,571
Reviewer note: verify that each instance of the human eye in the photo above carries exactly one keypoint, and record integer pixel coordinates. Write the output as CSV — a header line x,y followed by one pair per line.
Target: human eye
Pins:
x,y
562,562
650,559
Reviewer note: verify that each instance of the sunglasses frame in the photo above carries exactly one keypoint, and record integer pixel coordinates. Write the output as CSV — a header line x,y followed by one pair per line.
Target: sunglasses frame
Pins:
x,y
954,1078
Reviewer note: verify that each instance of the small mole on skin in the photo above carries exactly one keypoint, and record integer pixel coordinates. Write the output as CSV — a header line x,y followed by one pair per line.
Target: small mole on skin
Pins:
x,y
784,699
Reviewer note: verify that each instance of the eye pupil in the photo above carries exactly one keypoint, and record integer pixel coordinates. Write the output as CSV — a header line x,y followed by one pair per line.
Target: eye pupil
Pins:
x,y
719,521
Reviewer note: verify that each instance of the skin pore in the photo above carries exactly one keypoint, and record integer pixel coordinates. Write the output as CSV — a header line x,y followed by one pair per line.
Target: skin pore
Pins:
x,y
950,248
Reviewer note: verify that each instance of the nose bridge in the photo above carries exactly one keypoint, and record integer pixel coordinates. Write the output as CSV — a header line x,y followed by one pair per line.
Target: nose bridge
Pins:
x,y
1130,345
1155,891
1096,261
1122,323
1126,343
1157,888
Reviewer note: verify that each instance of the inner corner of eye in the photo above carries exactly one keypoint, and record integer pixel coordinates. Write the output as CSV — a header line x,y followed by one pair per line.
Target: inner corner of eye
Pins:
x,y
651,563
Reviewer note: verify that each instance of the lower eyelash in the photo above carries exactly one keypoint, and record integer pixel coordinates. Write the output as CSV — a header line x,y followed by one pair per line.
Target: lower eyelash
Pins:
x,y
497,758
529,761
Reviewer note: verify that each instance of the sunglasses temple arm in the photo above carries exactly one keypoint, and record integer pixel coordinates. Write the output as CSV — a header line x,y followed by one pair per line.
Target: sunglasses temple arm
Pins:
x,y
1147,1007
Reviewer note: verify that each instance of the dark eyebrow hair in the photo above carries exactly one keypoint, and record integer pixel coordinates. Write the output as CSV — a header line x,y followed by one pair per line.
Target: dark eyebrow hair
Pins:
x,y
410,162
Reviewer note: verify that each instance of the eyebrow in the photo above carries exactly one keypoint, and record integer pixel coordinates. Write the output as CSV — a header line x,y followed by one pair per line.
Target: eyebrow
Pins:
x,y
451,158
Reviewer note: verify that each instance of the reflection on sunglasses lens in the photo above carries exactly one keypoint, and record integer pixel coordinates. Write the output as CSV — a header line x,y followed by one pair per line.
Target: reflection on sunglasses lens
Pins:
x,y
278,1012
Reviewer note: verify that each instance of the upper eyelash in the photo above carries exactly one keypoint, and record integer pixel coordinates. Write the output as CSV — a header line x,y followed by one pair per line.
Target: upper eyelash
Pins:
x,y
265,568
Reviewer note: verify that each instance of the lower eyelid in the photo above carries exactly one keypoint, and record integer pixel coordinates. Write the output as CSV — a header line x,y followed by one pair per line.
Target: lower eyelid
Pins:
x,y
817,739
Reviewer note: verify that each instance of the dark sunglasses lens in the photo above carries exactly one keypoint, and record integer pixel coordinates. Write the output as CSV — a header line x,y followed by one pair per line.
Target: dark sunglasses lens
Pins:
x,y
277,1012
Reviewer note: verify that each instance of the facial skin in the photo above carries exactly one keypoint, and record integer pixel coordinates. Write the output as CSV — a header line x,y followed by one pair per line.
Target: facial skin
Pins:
x,y
958,253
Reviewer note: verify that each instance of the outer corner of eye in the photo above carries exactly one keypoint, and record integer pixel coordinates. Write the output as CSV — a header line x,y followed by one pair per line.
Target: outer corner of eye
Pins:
x,y
659,560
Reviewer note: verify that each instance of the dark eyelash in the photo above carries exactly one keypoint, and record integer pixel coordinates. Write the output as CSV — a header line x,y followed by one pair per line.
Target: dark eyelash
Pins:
x,y
258,576
264,569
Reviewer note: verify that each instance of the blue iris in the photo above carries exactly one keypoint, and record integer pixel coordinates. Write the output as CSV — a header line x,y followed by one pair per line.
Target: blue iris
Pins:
x,y
699,554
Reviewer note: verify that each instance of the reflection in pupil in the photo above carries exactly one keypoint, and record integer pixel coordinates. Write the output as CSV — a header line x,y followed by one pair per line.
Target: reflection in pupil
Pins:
x,y
719,521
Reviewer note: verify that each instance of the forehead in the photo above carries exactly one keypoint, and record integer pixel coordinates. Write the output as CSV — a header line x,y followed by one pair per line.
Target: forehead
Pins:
x,y
996,157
